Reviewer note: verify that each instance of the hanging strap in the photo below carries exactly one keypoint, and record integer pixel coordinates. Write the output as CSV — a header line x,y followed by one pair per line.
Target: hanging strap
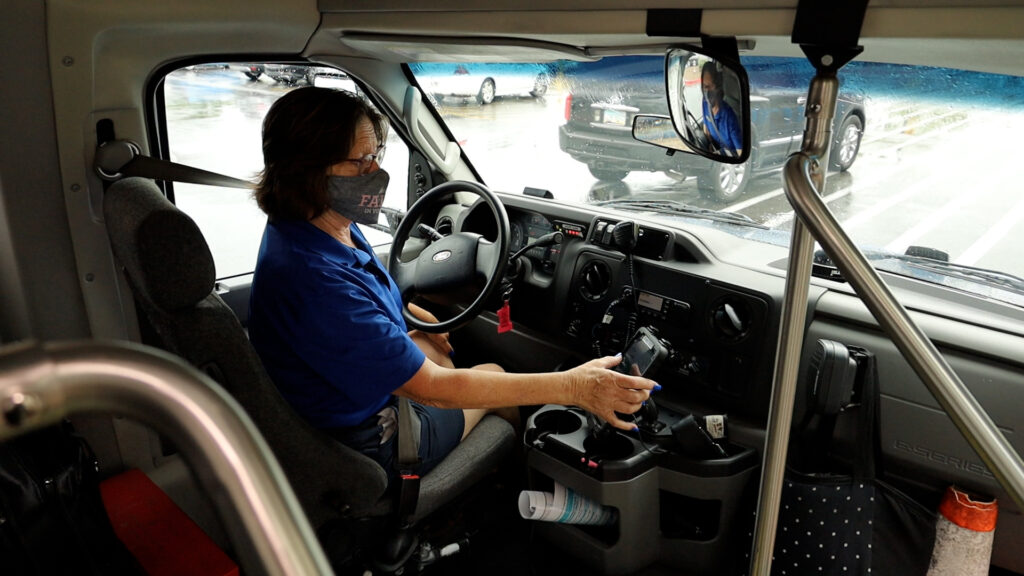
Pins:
x,y
119,158
866,456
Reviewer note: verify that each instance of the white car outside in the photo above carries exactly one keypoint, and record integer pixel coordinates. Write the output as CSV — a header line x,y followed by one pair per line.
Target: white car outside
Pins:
x,y
484,82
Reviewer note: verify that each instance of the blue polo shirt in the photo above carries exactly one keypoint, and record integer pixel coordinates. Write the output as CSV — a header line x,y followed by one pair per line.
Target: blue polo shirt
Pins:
x,y
728,135
326,320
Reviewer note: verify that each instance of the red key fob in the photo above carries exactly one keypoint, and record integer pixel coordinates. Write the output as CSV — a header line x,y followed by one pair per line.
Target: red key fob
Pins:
x,y
504,322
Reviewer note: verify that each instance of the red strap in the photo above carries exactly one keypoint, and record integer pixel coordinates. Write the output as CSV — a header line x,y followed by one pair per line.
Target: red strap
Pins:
x,y
164,540
504,322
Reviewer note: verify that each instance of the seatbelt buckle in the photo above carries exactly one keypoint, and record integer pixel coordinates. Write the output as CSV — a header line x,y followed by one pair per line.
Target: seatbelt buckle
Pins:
x,y
408,496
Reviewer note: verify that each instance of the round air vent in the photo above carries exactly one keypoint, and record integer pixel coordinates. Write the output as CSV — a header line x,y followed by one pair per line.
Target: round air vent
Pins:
x,y
594,280
730,319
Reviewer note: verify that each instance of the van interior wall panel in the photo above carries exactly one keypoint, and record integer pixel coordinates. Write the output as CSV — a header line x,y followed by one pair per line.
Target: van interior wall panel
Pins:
x,y
41,296
99,62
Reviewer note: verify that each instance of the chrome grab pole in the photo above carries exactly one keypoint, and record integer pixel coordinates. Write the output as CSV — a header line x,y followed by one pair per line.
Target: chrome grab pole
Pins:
x,y
958,402
814,151
803,178
42,384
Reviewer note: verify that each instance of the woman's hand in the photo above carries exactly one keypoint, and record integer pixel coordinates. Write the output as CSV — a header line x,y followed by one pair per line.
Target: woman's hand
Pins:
x,y
603,392
441,341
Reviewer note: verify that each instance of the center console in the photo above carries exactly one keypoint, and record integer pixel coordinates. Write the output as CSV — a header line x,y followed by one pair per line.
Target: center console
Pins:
x,y
678,491
682,496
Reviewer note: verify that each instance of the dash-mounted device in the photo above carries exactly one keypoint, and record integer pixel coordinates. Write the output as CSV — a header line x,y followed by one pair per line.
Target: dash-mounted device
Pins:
x,y
644,354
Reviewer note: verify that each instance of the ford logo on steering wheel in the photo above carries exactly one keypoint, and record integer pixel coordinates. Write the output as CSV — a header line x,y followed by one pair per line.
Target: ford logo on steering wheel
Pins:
x,y
441,256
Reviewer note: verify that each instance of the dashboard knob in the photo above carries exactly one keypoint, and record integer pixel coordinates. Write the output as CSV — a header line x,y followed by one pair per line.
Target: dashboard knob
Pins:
x,y
574,328
730,320
694,366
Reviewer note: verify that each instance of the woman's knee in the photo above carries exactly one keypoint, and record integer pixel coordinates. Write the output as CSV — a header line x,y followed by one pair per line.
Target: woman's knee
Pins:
x,y
431,350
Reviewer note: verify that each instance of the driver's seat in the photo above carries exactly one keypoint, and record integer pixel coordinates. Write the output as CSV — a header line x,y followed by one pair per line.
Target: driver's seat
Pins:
x,y
170,269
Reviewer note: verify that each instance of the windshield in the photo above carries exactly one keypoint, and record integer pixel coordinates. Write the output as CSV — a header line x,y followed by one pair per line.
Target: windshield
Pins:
x,y
915,162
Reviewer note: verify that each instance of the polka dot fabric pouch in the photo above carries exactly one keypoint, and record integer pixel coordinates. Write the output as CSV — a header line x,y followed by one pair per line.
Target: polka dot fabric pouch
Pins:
x,y
825,526
826,514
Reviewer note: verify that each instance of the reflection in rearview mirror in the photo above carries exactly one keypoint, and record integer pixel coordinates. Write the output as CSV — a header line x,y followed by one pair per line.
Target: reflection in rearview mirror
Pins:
x,y
709,103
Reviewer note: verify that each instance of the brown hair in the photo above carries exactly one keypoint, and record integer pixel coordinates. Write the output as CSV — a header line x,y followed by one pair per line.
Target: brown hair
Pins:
x,y
716,74
305,132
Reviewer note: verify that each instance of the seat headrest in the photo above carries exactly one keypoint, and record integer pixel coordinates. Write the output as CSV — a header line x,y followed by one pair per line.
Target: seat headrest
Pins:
x,y
165,255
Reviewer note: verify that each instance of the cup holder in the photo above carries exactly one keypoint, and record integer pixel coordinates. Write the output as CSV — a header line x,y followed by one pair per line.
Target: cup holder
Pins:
x,y
557,422
609,446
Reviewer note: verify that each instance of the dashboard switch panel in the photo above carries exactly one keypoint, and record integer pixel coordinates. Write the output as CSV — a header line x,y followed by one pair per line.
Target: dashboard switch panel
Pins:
x,y
571,229
650,242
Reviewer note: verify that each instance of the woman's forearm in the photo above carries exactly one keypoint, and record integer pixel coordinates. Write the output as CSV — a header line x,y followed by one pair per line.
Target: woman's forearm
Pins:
x,y
467,388
591,386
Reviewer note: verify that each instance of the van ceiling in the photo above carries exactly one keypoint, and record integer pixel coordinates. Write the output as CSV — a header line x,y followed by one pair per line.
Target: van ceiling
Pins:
x,y
454,30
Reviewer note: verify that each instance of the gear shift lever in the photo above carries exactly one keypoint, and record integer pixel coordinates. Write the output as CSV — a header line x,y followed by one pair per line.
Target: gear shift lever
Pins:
x,y
647,417
599,429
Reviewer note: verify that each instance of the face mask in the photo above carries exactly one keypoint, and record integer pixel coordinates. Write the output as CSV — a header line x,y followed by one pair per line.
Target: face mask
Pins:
x,y
358,198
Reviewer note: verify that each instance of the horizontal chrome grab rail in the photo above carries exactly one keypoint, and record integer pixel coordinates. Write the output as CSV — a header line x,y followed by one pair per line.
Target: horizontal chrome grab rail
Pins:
x,y
42,384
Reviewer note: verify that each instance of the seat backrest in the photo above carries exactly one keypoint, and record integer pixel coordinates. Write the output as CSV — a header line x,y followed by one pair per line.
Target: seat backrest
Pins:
x,y
170,269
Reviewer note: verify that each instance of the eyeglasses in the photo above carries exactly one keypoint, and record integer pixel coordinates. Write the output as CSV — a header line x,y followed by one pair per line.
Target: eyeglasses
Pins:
x,y
366,162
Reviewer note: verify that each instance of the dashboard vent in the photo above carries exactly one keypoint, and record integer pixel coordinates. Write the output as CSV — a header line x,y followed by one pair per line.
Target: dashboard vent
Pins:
x,y
594,280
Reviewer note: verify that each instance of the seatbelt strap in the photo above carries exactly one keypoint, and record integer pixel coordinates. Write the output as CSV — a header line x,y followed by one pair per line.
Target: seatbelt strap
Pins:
x,y
408,438
408,460
119,158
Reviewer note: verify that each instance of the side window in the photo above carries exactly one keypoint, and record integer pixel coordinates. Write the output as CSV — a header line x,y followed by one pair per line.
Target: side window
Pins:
x,y
214,116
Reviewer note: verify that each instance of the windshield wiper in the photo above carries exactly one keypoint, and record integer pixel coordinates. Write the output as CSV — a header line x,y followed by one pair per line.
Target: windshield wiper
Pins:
x,y
676,207
992,278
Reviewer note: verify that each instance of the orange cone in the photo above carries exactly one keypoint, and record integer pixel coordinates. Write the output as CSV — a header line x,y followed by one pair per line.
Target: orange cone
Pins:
x,y
963,535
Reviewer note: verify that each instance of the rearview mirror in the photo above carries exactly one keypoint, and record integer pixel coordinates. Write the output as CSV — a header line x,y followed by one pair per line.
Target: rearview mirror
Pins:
x,y
709,103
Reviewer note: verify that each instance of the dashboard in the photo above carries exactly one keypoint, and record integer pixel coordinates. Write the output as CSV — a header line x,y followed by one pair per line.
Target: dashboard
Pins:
x,y
611,276
716,300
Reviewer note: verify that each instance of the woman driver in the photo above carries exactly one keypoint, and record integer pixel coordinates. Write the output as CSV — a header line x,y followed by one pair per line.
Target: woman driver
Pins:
x,y
720,122
326,318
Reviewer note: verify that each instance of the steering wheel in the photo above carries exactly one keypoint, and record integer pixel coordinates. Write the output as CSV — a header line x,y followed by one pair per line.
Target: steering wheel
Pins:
x,y
696,130
451,265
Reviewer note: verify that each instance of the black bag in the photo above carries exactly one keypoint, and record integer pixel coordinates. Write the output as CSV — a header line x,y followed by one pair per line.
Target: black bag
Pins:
x,y
52,518
847,521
